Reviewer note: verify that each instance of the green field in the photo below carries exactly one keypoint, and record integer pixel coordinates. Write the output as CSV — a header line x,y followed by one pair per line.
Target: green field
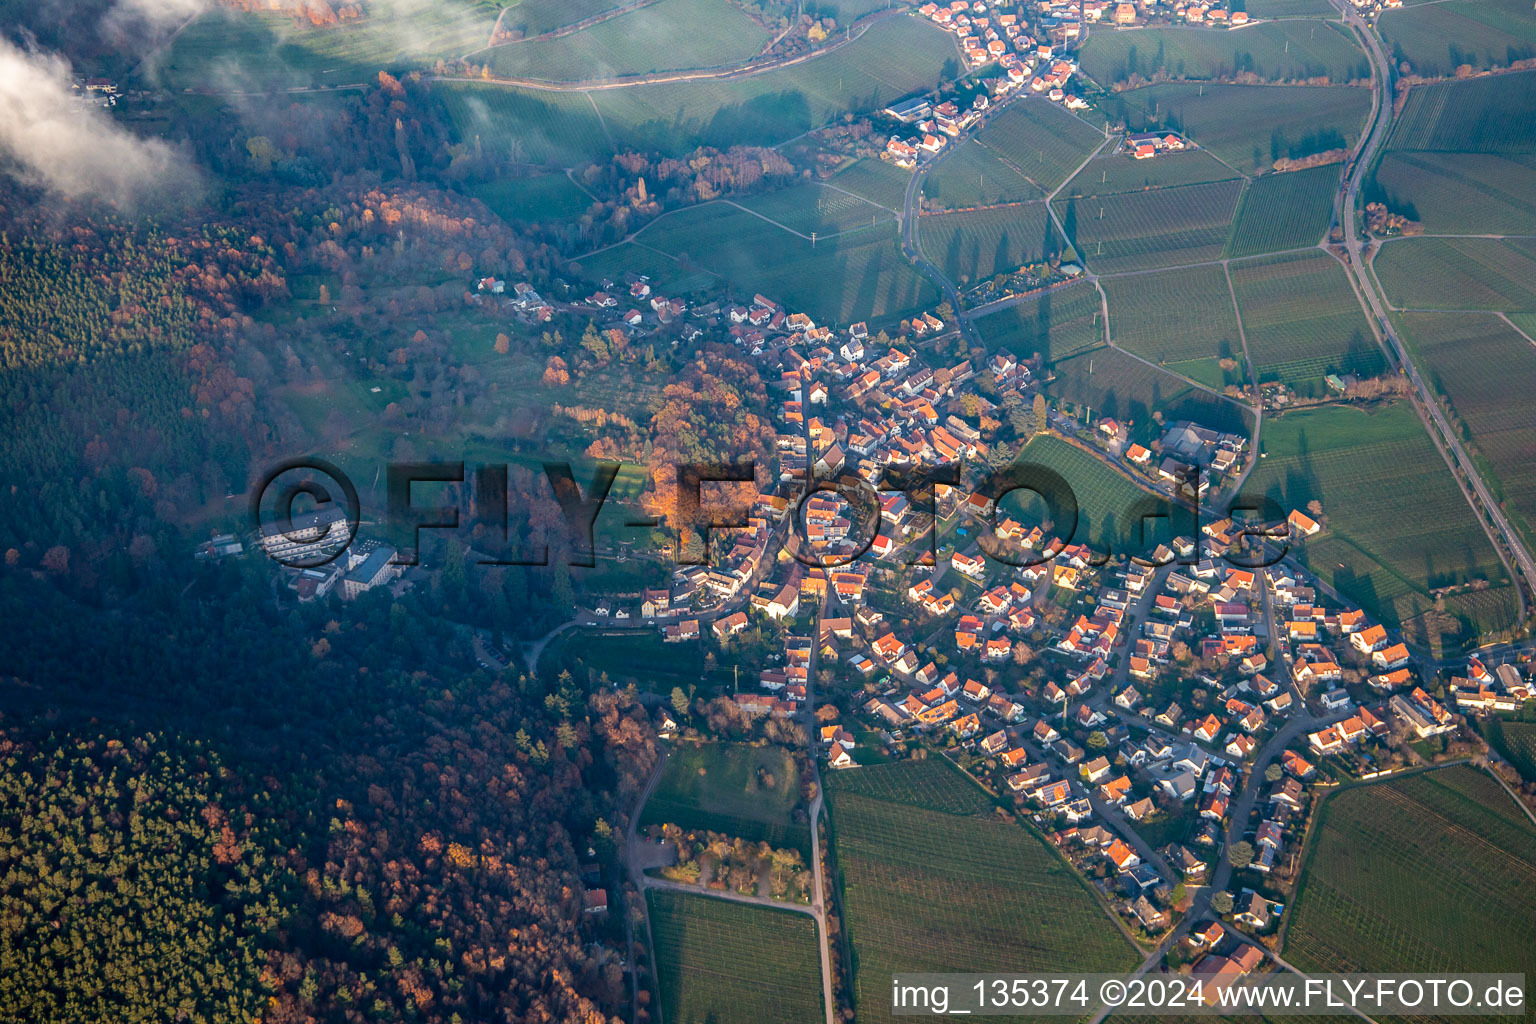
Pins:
x,y
1517,742
1142,230
875,181
1302,320
1436,872
668,35
1115,383
1121,172
977,244
667,274
1041,140
723,787
1055,324
976,175
893,58
1483,368
1397,522
813,207
265,50
1248,126
547,128
1479,115
1109,504
1291,9
1285,211
926,890
541,198
1182,319
719,962
1275,52
532,17
1455,193
858,275
1459,273
1435,39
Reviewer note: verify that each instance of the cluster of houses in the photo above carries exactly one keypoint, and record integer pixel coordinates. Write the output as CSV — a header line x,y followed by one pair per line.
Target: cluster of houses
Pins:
x,y
1145,146
1194,12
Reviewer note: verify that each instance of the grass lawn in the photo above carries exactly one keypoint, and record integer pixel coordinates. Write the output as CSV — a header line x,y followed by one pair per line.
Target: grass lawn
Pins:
x,y
1482,368
1459,273
734,788
1397,523
1181,319
1275,52
719,962
1302,320
925,889
1285,211
1248,126
1056,324
1435,872
1159,228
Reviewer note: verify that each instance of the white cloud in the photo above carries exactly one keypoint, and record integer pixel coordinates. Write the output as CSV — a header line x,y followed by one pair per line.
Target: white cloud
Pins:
x,y
48,137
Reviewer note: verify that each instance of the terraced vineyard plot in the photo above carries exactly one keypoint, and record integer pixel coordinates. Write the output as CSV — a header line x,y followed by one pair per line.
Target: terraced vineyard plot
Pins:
x,y
1109,504
1291,9
1436,872
1055,324
535,17
1518,743
1121,172
1142,230
928,891
938,786
727,963
1302,320
1285,211
1114,383
1461,194
1458,273
875,181
977,244
1182,319
1275,52
1484,369
974,175
1479,115
668,35
814,207
1397,522
540,198
1248,126
893,58
859,275
740,790
1436,39
554,128
1042,140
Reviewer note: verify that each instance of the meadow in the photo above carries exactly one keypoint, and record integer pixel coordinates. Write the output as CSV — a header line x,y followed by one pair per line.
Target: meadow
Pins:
x,y
1459,193
1435,872
1121,172
1483,369
1115,383
1302,320
1043,140
813,207
926,890
668,35
1436,39
1109,504
1248,126
976,244
719,962
740,790
1285,211
667,275
1397,522
857,275
1055,324
1459,273
1143,230
976,175
540,198
1180,319
1287,51
558,129
893,58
